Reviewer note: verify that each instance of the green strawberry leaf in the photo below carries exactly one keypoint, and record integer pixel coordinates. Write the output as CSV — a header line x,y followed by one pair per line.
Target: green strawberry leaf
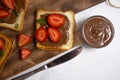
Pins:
x,y
15,11
42,22
1,53
16,26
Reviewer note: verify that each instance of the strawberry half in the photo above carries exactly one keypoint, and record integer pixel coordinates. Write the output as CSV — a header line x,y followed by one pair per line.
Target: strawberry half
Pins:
x,y
24,53
8,3
23,40
41,34
54,34
2,44
4,13
56,20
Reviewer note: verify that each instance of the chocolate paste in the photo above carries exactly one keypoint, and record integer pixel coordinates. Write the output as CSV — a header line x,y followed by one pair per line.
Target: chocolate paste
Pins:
x,y
98,31
18,6
64,31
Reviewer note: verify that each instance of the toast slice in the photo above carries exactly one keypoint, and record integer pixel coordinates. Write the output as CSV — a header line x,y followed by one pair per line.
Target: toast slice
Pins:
x,y
67,42
6,51
15,19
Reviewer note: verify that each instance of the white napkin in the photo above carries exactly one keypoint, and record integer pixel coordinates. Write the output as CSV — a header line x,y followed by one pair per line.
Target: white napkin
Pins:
x,y
91,64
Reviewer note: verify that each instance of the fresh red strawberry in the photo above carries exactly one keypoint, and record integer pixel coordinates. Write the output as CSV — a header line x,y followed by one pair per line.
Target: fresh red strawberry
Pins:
x,y
24,53
8,3
2,44
56,20
54,34
4,13
41,34
23,40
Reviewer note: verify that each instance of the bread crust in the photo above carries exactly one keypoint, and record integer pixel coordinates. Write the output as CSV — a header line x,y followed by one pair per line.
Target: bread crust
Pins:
x,y
70,15
8,49
20,20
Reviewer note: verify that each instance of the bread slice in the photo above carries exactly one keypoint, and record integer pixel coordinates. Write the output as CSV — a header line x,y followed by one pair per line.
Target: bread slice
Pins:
x,y
69,44
18,24
7,50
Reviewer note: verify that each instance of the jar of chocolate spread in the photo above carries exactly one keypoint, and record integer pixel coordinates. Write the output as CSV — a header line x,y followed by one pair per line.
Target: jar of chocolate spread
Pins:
x,y
97,31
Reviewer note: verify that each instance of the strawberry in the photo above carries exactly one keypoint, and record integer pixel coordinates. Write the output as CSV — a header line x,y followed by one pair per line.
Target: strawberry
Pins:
x,y
54,34
41,34
2,44
24,53
23,40
56,20
4,13
8,3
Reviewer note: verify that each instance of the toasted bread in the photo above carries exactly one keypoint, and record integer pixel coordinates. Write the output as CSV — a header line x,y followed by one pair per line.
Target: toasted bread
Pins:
x,y
69,44
16,25
7,50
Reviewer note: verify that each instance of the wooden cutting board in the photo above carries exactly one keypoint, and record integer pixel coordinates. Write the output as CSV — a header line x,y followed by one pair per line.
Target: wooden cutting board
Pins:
x,y
14,64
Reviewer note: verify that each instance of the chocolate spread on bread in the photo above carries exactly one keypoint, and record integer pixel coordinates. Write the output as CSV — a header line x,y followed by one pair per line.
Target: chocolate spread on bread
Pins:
x,y
19,5
97,31
64,31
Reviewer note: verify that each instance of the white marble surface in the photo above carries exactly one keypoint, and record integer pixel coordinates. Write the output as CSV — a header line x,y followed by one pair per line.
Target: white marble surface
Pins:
x,y
91,64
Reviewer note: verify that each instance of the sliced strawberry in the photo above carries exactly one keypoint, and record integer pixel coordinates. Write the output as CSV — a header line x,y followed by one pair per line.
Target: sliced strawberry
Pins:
x,y
54,34
41,34
8,3
56,20
25,53
23,40
2,44
4,13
